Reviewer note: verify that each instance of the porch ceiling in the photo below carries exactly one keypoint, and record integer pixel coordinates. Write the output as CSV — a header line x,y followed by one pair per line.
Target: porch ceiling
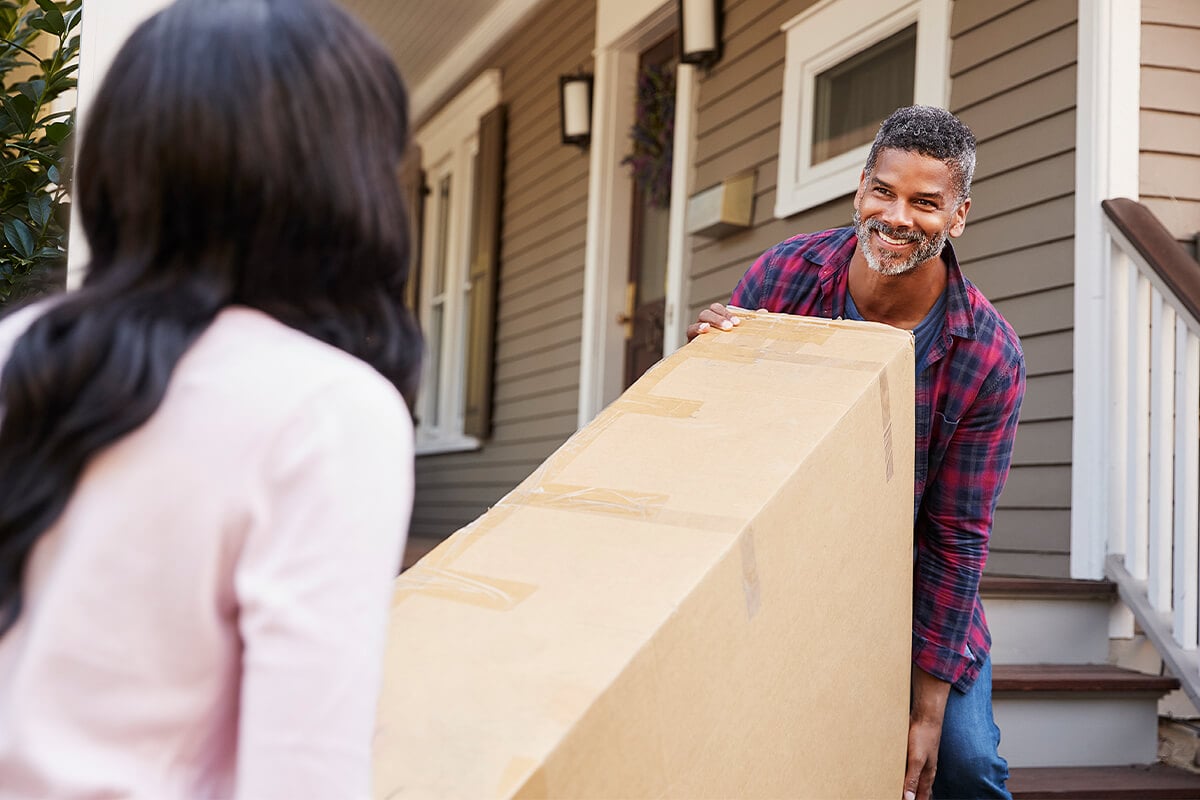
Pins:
x,y
424,35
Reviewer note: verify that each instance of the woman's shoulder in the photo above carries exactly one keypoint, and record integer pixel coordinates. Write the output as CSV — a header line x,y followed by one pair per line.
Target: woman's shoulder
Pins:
x,y
272,367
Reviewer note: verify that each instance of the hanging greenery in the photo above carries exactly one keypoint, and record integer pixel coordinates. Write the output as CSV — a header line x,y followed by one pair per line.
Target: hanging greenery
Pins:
x,y
653,134
34,142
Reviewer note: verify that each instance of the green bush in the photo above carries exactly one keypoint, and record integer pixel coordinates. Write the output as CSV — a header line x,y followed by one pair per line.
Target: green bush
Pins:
x,y
34,175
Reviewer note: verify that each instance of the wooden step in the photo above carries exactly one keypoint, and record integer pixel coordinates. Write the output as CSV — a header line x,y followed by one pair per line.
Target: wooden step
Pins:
x,y
1077,678
1137,782
1050,588
1048,620
1077,715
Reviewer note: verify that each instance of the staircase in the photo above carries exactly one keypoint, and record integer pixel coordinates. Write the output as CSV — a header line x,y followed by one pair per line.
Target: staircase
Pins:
x,y
1073,725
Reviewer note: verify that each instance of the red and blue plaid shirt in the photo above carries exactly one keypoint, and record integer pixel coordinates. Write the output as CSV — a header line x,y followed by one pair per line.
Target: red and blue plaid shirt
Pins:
x,y
968,398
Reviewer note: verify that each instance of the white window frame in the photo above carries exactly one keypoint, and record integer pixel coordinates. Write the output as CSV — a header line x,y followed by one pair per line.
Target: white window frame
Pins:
x,y
449,142
826,35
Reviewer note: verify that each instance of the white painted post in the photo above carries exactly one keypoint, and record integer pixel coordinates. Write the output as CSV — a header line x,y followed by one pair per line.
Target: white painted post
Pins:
x,y
1162,442
1187,481
1106,166
687,94
1139,428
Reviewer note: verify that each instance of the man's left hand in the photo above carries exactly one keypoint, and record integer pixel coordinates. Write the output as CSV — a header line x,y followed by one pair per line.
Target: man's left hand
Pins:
x,y
929,696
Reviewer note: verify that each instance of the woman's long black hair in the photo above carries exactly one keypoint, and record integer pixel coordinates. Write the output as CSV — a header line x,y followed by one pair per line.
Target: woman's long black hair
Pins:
x,y
238,152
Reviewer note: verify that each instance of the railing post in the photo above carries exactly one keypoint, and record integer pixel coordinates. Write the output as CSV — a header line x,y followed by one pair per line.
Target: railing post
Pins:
x,y
1187,484
1139,427
1123,282
1162,444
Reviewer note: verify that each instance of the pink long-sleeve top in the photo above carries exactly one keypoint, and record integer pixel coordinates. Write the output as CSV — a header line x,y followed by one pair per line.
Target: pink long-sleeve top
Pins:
x,y
207,617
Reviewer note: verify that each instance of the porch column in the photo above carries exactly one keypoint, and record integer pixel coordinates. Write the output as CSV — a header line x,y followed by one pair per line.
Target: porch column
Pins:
x,y
106,26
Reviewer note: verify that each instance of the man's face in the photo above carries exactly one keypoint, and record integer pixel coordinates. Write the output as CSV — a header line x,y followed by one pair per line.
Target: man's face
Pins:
x,y
905,210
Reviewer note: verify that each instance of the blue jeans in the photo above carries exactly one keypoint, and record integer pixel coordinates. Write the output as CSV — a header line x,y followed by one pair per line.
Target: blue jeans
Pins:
x,y
969,766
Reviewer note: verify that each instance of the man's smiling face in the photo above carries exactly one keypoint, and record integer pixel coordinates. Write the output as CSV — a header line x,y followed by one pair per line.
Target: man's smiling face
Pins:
x,y
905,210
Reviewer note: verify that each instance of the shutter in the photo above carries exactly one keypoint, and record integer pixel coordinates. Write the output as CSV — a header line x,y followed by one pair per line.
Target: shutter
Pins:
x,y
412,179
484,270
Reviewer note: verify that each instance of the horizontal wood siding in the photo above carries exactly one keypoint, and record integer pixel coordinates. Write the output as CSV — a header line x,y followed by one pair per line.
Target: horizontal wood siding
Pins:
x,y
540,307
1169,166
1013,75
1013,82
738,117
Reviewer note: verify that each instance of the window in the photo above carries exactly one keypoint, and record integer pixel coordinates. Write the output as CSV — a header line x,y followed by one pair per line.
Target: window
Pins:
x,y
455,302
845,72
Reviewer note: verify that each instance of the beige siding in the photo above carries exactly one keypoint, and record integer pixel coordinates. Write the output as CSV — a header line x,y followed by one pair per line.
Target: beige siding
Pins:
x,y
539,316
1013,81
1169,169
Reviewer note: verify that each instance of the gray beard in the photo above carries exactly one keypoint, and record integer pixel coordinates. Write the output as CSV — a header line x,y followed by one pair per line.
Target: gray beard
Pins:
x,y
890,264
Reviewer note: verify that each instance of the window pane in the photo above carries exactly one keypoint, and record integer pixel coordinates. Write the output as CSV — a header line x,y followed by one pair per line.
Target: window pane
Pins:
x,y
443,236
853,97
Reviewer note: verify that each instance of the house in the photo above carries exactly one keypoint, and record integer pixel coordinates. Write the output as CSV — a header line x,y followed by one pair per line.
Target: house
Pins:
x,y
1072,102
546,280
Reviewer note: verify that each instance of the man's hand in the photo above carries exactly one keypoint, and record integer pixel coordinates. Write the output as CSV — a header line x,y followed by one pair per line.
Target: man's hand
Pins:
x,y
715,316
929,697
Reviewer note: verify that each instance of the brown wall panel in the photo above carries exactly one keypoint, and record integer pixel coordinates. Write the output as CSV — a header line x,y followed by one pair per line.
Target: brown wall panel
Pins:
x,y
1025,270
1170,46
1170,132
1046,442
1012,30
1040,139
1171,12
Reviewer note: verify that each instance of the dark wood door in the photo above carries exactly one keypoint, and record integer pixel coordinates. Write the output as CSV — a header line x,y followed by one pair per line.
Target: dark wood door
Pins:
x,y
651,162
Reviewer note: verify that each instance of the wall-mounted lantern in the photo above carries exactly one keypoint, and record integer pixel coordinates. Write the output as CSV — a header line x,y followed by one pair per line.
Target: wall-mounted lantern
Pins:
x,y
699,31
575,108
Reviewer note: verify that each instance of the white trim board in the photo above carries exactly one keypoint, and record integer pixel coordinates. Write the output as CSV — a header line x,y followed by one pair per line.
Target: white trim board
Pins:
x,y
827,34
1106,166
627,28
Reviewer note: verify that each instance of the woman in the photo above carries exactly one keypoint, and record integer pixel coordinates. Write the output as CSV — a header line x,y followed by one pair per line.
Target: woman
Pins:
x,y
205,461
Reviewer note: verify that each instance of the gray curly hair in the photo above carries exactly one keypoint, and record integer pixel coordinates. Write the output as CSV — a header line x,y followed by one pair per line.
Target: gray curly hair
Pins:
x,y
933,132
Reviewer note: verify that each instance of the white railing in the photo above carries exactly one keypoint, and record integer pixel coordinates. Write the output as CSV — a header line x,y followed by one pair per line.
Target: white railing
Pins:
x,y
1154,480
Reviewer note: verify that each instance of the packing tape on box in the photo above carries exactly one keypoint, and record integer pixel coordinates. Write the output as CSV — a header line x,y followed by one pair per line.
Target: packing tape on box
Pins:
x,y
463,587
885,401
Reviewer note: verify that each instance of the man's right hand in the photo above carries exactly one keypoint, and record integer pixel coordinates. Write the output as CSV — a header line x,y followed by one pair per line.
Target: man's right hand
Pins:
x,y
715,316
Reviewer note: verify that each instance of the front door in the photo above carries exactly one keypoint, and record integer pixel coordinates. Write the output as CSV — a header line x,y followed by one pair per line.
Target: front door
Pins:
x,y
650,163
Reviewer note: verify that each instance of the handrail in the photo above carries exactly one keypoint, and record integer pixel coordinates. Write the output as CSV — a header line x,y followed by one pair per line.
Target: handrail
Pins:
x,y
1154,435
1179,271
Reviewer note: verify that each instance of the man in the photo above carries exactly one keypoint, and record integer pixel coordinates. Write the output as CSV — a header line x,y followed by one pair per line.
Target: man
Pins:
x,y
896,266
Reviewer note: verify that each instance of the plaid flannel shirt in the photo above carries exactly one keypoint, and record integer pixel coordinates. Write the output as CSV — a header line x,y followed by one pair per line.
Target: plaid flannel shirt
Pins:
x,y
968,398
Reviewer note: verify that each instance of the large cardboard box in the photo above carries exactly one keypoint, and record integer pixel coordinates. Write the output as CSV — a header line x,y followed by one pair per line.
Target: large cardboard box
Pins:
x,y
706,592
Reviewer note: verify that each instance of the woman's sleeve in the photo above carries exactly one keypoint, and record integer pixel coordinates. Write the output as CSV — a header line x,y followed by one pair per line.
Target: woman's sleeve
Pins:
x,y
313,583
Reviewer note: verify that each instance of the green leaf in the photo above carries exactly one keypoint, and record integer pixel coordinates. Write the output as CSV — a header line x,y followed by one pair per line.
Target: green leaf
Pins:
x,y
20,237
53,175
20,110
39,210
58,25
47,5
57,131
32,89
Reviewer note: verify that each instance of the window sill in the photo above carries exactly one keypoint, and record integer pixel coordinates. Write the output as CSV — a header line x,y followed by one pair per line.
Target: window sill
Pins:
x,y
430,445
